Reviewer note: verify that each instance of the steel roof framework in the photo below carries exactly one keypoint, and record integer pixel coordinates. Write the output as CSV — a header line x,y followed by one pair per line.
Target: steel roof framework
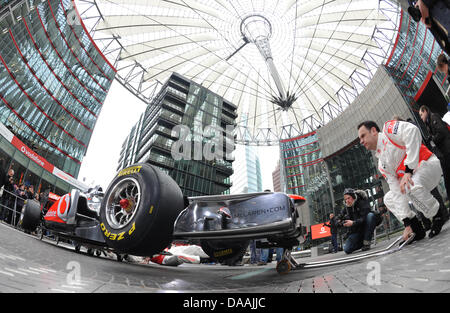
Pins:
x,y
325,51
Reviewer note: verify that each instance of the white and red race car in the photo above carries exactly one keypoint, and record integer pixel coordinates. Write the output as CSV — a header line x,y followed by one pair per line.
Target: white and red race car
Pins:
x,y
143,210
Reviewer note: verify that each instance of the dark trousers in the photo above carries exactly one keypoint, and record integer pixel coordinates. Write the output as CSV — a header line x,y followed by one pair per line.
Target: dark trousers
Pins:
x,y
6,213
445,164
355,240
334,242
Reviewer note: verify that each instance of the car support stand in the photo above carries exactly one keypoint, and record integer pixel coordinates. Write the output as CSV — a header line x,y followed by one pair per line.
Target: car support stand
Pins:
x,y
288,263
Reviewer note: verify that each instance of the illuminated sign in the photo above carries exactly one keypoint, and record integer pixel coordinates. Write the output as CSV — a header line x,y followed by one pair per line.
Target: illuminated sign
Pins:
x,y
320,231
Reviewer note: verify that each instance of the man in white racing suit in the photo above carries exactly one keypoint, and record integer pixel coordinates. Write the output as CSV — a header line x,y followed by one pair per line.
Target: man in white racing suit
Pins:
x,y
409,168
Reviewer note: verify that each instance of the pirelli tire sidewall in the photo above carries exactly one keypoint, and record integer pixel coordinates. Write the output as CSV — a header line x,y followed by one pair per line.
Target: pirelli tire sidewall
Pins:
x,y
151,228
31,215
224,251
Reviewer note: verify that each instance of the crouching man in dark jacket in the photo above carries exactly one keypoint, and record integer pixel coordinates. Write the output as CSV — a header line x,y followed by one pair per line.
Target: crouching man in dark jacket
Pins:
x,y
359,219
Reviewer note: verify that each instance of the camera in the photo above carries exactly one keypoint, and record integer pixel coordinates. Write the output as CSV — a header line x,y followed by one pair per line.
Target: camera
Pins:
x,y
341,221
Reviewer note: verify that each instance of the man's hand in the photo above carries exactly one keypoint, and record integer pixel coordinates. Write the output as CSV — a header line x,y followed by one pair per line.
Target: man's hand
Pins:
x,y
407,232
424,12
406,182
348,223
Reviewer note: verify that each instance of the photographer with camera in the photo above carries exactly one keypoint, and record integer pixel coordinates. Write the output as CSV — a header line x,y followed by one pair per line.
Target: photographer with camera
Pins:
x,y
435,14
359,219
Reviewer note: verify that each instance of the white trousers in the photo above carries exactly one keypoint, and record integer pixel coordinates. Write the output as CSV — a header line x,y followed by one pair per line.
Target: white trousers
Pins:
x,y
425,179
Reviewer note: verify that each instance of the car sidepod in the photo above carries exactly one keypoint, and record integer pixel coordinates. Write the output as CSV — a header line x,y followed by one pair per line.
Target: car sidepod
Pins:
x,y
237,216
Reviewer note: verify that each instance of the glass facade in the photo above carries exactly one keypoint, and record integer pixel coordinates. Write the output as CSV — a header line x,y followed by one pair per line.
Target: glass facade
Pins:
x,y
299,154
53,82
305,173
28,172
183,102
247,173
355,167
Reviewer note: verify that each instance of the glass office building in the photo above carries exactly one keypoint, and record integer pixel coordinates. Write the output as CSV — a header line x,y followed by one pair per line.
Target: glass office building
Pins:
x,y
247,172
299,154
353,166
322,180
412,62
304,173
183,102
53,82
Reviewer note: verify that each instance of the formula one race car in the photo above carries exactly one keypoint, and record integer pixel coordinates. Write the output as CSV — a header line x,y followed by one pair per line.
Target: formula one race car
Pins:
x,y
143,210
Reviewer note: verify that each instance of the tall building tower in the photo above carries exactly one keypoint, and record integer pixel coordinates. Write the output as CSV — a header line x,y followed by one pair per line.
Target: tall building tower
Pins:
x,y
303,172
247,171
53,83
182,102
276,178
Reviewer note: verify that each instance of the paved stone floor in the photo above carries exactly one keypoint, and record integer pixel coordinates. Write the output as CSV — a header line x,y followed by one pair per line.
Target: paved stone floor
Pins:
x,y
30,265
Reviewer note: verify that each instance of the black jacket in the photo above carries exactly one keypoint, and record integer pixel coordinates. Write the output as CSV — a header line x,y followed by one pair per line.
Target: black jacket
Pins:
x,y
9,186
440,135
356,213
3,177
439,11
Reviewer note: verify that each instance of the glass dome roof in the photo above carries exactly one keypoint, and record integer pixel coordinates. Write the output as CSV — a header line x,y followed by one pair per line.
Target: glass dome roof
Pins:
x,y
290,66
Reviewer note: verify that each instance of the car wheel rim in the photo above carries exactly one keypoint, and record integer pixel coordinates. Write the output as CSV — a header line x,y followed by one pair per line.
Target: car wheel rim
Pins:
x,y
122,203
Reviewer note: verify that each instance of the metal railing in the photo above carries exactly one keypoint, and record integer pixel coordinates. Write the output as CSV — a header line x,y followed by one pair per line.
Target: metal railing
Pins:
x,y
10,204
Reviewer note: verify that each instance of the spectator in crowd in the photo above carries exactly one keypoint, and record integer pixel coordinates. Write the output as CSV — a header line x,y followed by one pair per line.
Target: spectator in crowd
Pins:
x,y
442,65
411,171
3,180
43,200
2,172
358,219
333,225
439,140
30,192
267,255
255,253
264,257
21,196
279,254
8,198
446,117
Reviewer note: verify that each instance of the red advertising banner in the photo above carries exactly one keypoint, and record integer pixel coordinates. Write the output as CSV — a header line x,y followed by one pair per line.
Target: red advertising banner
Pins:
x,y
32,155
16,142
320,231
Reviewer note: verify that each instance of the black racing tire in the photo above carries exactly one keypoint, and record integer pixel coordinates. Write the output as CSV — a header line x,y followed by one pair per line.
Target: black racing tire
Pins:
x,y
224,251
31,215
145,226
